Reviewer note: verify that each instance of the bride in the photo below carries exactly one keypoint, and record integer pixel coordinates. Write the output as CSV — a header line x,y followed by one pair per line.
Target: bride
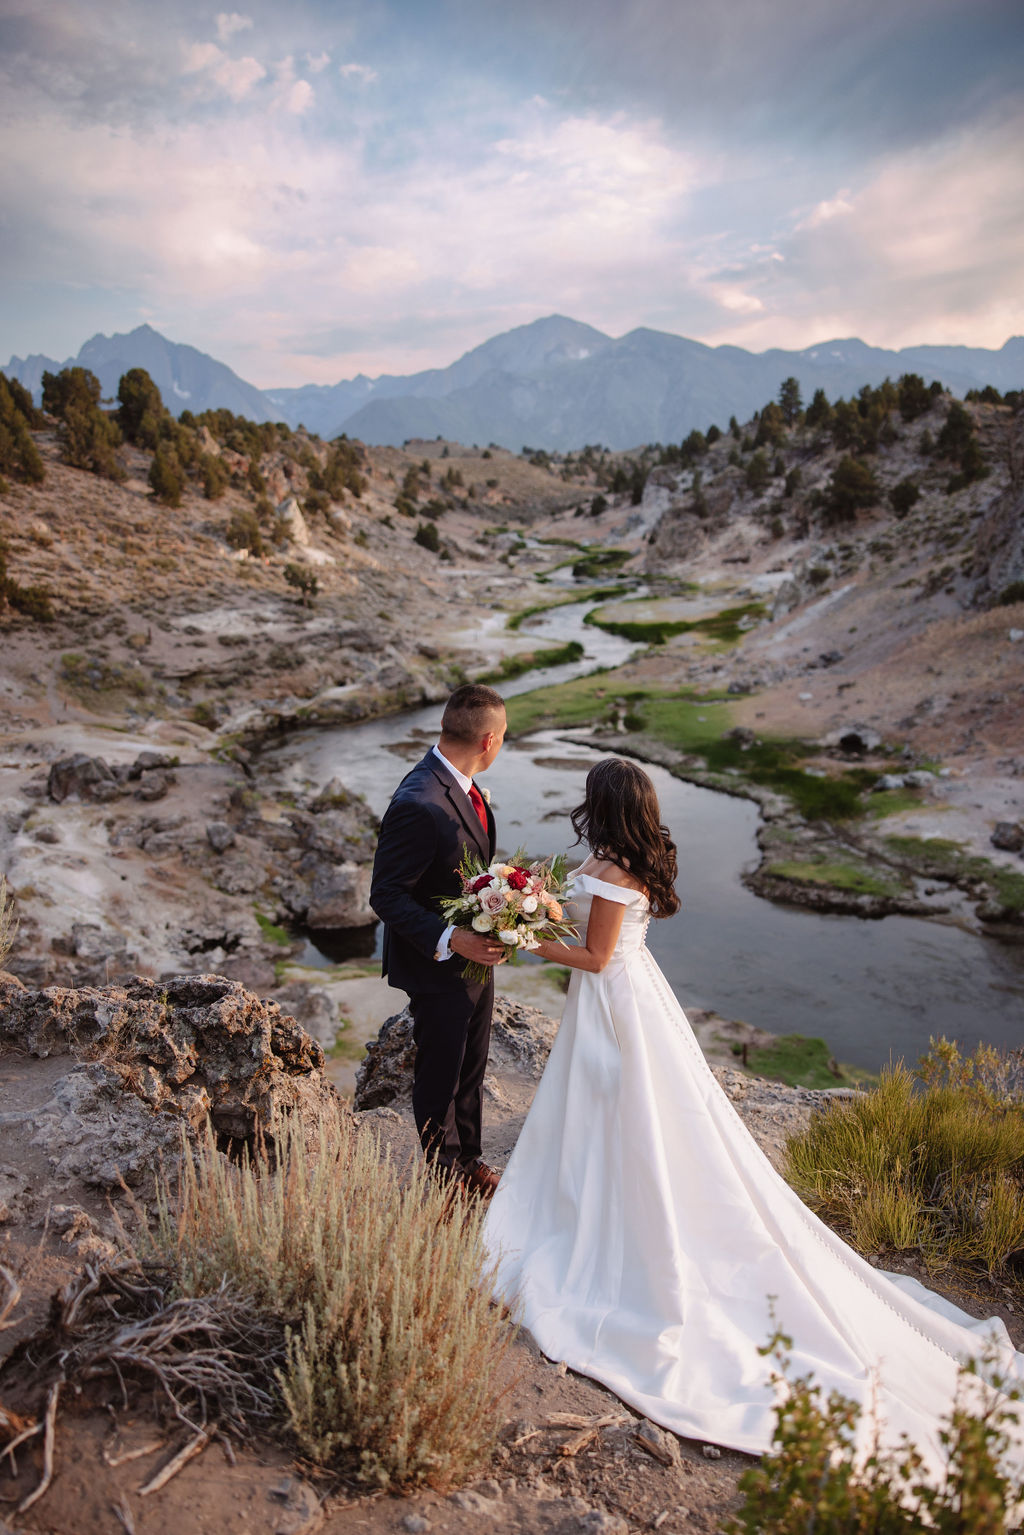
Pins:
x,y
646,1236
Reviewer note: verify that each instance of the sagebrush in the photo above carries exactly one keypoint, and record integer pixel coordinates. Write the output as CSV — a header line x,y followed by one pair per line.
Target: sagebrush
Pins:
x,y
8,922
394,1346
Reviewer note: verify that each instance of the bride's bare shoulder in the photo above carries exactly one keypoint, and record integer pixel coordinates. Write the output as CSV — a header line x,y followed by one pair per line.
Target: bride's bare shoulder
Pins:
x,y
610,873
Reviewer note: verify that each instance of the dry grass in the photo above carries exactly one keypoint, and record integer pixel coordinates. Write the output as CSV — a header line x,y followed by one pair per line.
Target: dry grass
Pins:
x,y
8,922
394,1347
937,1168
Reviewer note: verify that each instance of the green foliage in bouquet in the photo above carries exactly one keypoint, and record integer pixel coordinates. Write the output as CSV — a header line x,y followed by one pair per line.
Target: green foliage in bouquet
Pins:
x,y
463,908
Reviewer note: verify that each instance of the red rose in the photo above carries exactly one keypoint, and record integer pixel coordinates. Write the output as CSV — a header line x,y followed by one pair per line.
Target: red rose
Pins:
x,y
481,882
519,879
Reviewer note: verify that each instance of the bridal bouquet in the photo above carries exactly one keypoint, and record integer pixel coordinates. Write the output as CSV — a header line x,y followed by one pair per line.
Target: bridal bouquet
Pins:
x,y
519,902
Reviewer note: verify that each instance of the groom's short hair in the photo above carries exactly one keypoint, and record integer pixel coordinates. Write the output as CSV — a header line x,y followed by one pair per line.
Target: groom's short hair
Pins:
x,y
469,712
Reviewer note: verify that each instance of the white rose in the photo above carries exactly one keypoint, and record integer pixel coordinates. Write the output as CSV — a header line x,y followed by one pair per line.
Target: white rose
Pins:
x,y
510,936
481,922
530,904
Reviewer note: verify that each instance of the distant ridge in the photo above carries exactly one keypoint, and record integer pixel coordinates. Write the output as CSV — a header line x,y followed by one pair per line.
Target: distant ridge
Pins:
x,y
554,383
186,378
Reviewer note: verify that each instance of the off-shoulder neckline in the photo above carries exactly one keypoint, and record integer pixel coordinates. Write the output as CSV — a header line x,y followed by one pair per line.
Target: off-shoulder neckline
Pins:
x,y
624,894
582,869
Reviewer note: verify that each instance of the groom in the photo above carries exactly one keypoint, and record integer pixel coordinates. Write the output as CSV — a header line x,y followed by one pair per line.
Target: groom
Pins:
x,y
436,814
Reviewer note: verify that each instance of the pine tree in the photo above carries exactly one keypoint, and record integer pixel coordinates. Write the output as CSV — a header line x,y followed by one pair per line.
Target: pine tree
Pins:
x,y
19,456
140,408
166,478
790,402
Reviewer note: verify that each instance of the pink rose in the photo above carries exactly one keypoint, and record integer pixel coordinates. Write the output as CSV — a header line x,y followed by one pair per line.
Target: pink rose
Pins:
x,y
492,901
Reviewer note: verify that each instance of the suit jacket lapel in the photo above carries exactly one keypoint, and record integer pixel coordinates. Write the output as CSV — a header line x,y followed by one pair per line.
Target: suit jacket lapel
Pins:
x,y
462,807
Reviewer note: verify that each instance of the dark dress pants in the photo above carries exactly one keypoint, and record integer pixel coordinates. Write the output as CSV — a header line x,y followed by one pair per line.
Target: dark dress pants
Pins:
x,y
452,1032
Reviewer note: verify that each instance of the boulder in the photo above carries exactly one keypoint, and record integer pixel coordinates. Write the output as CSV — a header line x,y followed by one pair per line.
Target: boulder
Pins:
x,y
91,941
146,762
291,513
83,777
1008,836
521,1036
156,1059
155,784
340,897
312,1008
220,836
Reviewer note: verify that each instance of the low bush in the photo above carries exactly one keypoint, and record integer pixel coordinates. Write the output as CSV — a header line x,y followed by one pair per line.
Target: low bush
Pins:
x,y
243,532
815,1480
31,601
382,1292
427,536
930,1162
304,580
904,496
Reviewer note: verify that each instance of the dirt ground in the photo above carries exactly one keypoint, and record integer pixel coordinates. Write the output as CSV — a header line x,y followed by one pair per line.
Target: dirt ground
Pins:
x,y
570,1457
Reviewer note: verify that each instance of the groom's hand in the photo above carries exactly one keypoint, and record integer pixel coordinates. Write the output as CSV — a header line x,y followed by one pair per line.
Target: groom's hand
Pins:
x,y
477,947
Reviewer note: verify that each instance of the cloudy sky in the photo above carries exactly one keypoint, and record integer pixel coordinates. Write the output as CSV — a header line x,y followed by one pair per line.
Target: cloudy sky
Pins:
x,y
313,189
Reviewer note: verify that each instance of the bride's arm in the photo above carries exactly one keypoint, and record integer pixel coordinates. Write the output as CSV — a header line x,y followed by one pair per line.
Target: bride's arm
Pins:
x,y
596,949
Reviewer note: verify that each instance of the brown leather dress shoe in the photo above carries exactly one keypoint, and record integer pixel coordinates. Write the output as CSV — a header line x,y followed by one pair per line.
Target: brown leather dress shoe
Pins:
x,y
481,1180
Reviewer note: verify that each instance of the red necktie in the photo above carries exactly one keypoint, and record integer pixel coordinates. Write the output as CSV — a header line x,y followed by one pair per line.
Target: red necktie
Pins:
x,y
476,799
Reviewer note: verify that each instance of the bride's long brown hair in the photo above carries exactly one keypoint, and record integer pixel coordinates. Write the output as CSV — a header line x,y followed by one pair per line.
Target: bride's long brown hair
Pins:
x,y
620,821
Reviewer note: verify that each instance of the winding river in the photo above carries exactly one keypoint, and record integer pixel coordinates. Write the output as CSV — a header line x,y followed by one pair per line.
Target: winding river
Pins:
x,y
874,990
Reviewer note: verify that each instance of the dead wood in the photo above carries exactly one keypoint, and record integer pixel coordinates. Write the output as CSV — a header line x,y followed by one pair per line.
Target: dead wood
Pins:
x,y
189,1451
12,1297
49,1435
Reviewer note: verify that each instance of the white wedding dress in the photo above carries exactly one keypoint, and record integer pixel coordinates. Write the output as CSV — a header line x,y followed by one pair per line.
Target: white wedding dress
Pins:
x,y
641,1231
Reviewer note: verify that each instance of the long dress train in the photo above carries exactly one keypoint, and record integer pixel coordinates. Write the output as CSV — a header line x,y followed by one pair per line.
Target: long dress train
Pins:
x,y
644,1232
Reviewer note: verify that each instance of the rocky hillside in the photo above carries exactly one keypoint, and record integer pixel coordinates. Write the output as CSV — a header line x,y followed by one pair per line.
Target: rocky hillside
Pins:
x,y
818,575
274,590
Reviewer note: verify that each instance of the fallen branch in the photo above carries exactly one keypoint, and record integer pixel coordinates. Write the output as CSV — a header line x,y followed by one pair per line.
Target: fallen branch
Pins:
x,y
578,1441
12,1297
124,1513
50,1429
194,1447
113,1461
594,1420
26,1433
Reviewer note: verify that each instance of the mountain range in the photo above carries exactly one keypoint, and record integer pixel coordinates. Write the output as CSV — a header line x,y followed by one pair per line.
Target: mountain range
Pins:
x,y
555,384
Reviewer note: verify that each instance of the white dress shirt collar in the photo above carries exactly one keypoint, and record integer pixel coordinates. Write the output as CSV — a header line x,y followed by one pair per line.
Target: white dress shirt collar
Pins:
x,y
464,783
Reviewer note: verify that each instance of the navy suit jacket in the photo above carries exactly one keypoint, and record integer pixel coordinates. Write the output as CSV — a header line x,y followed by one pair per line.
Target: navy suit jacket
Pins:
x,y
427,827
